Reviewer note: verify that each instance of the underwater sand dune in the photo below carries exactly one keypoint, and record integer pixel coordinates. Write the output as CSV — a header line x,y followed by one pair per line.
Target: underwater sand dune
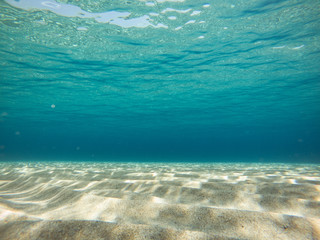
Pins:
x,y
159,201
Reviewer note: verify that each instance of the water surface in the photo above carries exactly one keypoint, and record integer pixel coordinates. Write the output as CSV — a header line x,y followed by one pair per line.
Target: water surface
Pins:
x,y
160,80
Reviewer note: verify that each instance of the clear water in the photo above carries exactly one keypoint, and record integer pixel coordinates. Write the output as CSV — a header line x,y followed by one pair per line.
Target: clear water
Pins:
x,y
160,80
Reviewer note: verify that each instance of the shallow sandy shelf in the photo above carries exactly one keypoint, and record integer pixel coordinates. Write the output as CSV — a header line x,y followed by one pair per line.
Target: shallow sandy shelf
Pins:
x,y
159,201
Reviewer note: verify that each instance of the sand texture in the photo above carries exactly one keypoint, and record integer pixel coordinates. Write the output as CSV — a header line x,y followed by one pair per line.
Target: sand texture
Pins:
x,y
159,201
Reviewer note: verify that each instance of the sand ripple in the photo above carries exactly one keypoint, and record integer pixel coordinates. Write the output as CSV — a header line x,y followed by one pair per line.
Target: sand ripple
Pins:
x,y
159,201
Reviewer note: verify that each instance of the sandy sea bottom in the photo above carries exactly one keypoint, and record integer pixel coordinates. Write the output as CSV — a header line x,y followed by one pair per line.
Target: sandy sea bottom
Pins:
x,y
159,201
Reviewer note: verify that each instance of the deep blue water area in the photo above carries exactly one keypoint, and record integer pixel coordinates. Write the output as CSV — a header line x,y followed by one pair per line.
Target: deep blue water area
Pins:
x,y
160,80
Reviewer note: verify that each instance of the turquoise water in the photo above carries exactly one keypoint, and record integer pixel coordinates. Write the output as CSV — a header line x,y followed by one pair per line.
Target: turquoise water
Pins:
x,y
160,80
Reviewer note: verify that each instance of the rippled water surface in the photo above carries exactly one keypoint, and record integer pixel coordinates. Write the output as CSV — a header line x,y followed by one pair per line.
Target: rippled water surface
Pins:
x,y
159,79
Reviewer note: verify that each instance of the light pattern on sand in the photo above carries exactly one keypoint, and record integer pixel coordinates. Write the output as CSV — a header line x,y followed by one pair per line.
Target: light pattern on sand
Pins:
x,y
159,201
